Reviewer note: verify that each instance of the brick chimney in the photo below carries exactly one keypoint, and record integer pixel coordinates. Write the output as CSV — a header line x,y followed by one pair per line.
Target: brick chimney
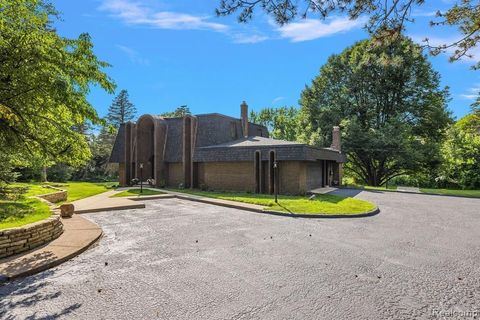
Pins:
x,y
336,143
244,115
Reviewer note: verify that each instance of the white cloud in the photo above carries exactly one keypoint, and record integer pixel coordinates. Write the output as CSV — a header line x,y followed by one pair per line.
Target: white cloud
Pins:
x,y
310,29
472,93
247,38
469,96
277,99
419,13
137,14
133,55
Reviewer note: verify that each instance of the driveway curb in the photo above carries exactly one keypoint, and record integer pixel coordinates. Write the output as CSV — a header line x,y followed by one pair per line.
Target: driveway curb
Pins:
x,y
260,209
79,234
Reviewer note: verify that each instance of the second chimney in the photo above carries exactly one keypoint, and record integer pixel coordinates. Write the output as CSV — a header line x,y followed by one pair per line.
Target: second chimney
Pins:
x,y
244,115
336,144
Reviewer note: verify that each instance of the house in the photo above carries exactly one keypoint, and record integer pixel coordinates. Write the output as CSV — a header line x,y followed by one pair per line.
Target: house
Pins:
x,y
218,152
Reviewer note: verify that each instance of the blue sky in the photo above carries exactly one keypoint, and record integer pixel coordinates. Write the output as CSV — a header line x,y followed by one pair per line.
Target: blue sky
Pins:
x,y
172,53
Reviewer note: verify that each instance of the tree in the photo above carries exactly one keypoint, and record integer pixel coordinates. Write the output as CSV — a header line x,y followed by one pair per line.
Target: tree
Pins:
x,y
44,82
388,101
461,154
121,110
386,18
179,112
101,145
282,123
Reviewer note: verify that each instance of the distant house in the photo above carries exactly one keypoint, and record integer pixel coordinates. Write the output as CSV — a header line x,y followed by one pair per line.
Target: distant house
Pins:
x,y
219,152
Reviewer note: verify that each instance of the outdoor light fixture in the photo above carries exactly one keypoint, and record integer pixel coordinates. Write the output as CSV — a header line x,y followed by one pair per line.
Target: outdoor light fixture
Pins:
x,y
141,177
275,181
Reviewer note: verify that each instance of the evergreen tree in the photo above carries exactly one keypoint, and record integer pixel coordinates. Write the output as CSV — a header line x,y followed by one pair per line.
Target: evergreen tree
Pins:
x,y
121,110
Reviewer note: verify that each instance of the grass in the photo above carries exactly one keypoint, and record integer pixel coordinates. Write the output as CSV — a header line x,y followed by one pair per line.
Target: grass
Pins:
x,y
453,192
136,192
34,189
379,188
27,209
322,204
79,190
22,212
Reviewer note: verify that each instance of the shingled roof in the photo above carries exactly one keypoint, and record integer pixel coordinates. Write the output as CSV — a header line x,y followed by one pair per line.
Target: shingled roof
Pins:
x,y
255,141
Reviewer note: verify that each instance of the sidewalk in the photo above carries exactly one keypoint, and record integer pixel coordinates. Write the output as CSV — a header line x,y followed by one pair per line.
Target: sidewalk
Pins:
x,y
103,202
79,233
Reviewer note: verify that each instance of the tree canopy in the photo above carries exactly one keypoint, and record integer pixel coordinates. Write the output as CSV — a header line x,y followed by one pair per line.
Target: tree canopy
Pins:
x,y
179,112
121,110
461,154
389,103
386,18
44,82
282,123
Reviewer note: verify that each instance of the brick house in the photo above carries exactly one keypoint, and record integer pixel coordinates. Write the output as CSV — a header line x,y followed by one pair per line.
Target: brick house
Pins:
x,y
219,152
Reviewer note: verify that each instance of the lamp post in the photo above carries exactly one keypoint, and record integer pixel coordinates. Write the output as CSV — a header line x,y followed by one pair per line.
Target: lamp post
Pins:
x,y
141,177
275,180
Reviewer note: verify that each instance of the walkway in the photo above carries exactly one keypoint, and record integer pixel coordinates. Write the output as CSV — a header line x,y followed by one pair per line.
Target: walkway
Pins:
x,y
104,202
79,233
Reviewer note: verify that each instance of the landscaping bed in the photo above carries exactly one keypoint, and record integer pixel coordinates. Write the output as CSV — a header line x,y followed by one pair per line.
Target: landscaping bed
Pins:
x,y
301,205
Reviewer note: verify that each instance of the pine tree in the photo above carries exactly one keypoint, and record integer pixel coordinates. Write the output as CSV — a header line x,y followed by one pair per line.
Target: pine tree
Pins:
x,y
121,110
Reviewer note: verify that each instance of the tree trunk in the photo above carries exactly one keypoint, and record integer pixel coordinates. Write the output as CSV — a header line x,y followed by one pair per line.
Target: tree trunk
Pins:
x,y
43,174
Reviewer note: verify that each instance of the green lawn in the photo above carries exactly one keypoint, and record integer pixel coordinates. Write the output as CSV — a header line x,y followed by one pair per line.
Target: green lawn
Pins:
x,y
34,189
380,188
79,190
136,192
25,211
453,192
323,204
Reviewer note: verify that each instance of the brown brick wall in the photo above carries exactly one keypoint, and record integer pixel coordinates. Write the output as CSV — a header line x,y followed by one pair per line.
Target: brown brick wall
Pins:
x,y
175,174
227,176
314,175
17,240
122,175
291,177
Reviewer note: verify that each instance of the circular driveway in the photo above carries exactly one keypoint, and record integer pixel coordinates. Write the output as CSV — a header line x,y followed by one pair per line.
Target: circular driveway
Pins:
x,y
418,258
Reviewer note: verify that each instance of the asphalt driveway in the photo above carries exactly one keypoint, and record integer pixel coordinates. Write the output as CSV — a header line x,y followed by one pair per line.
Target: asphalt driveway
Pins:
x,y
419,258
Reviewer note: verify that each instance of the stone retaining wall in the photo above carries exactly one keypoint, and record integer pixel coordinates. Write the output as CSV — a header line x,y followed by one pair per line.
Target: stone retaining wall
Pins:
x,y
55,197
60,195
17,240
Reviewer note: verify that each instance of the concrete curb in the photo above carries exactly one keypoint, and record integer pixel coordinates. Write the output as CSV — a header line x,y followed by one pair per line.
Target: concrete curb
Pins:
x,y
410,192
125,207
249,207
58,250
328,216
153,197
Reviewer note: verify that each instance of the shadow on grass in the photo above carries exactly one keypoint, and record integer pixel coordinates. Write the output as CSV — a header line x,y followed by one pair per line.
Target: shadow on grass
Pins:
x,y
14,210
28,293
